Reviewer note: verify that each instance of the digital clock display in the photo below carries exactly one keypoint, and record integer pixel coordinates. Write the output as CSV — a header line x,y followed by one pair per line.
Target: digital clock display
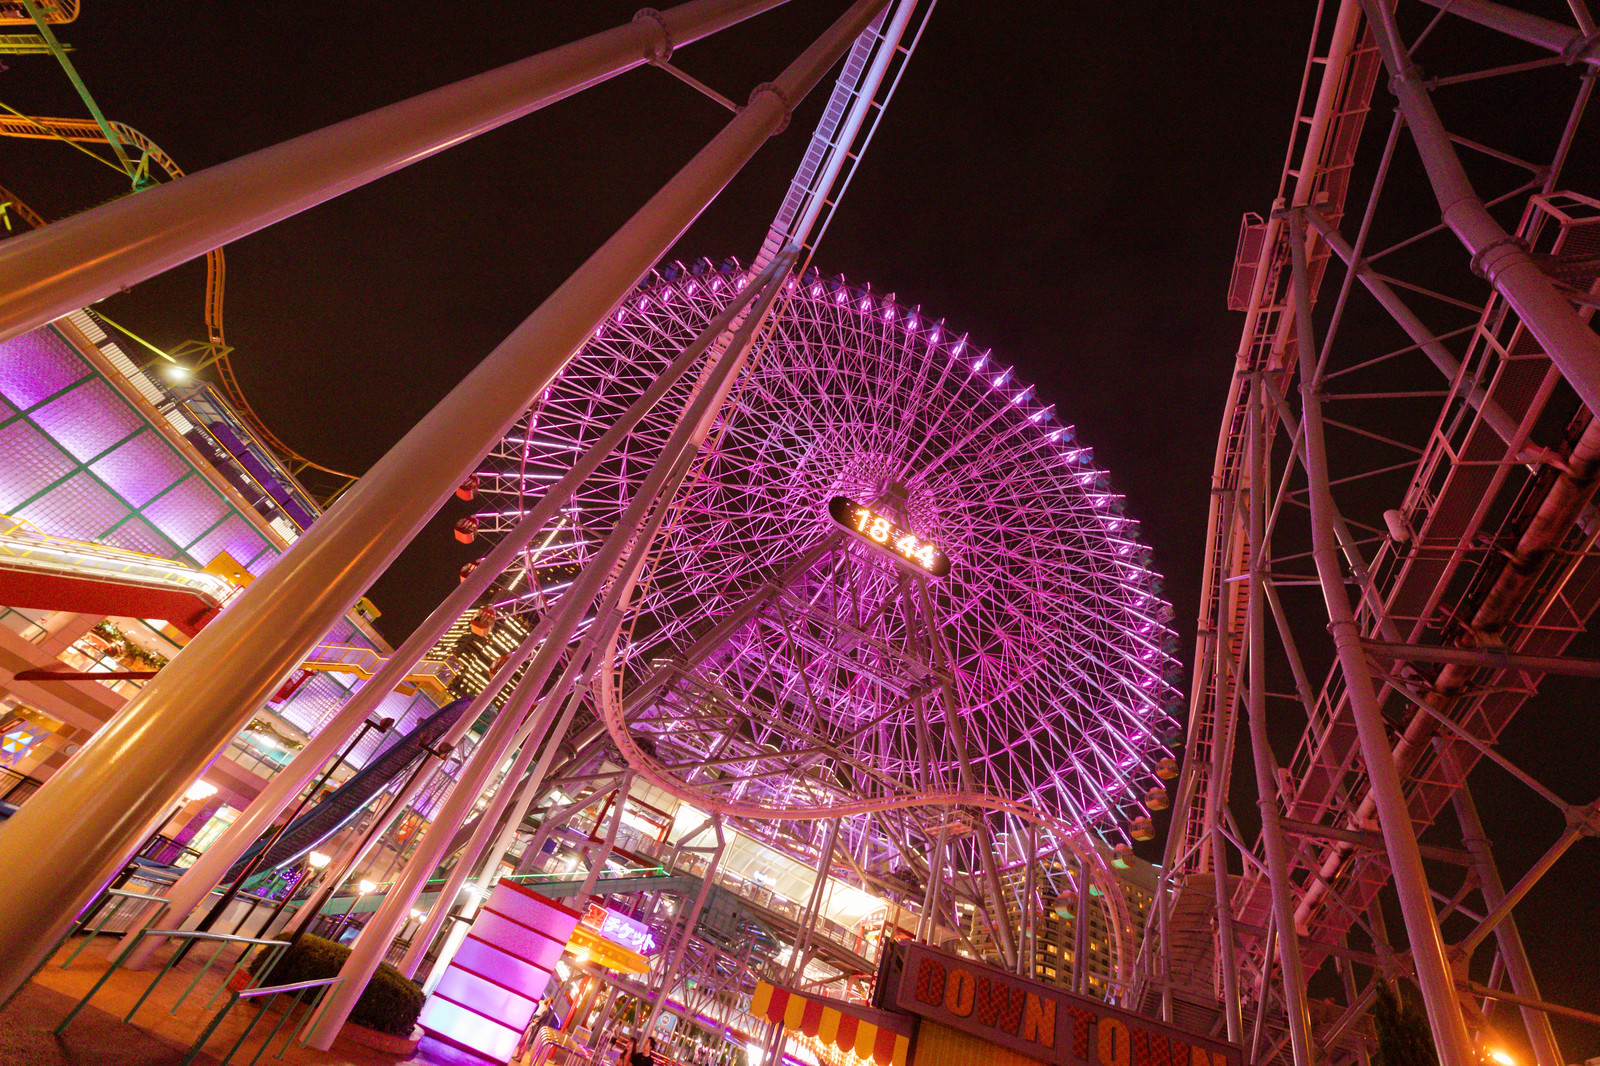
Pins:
x,y
879,529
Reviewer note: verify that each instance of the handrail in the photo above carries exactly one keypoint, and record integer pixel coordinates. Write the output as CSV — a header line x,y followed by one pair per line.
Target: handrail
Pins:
x,y
269,957
272,990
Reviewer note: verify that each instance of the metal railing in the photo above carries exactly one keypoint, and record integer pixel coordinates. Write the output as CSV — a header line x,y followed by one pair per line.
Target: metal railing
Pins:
x,y
25,547
363,662
268,957
266,994
264,962
119,898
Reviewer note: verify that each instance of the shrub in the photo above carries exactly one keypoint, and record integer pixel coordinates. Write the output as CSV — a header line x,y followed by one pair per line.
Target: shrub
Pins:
x,y
390,1003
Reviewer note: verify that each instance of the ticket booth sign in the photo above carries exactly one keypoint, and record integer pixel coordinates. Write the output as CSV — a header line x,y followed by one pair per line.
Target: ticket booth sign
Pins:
x,y
1037,1020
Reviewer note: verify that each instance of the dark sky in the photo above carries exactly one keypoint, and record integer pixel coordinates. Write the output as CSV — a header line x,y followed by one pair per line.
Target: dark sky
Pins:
x,y
1063,180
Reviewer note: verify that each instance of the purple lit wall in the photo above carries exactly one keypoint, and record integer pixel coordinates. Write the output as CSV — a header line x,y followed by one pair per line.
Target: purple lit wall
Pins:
x,y
81,461
487,996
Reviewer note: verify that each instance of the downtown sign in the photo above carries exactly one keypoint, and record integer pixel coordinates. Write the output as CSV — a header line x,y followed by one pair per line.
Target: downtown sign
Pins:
x,y
1038,1020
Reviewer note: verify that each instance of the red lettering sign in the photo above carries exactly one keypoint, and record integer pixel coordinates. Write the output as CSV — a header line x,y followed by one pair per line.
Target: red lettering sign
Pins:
x,y
930,981
1028,1016
1111,1043
959,991
1000,1005
1039,1021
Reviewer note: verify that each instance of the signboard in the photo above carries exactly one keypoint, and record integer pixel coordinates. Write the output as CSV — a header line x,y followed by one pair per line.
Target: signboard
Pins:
x,y
619,929
1037,1020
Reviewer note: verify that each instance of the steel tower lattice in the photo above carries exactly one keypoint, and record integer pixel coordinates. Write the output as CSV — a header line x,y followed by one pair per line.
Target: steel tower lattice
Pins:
x,y
1406,466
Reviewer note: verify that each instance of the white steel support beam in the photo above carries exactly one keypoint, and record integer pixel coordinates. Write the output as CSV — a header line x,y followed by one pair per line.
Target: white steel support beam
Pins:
x,y
598,857
530,740
1486,658
125,779
1216,798
661,483
70,264
1453,1044
1569,42
688,922
1423,337
633,530
372,943
1497,256
1541,1038
192,887
530,789
1289,965
199,879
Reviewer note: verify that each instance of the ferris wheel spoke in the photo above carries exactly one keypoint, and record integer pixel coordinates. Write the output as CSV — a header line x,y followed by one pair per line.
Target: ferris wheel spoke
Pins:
x,y
1047,616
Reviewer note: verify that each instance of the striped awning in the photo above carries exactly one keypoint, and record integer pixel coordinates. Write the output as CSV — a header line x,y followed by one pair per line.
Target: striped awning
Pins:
x,y
823,1020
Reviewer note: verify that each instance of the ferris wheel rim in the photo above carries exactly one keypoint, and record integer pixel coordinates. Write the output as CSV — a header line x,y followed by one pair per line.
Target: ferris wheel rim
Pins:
x,y
1031,432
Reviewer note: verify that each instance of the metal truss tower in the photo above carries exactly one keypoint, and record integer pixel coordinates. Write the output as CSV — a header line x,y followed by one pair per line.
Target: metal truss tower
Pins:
x,y
1401,544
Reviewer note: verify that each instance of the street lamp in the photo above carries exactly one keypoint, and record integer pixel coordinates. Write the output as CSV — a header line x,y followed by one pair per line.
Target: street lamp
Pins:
x,y
351,856
200,790
382,726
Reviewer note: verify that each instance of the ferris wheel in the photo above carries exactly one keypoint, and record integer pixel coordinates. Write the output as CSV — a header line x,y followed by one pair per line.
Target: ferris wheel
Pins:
x,y
1049,618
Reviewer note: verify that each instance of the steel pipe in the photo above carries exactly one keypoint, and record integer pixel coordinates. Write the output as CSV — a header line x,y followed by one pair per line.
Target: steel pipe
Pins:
x,y
683,196
373,941
1541,1037
1289,964
72,263
1566,41
1497,256
123,780
198,880
189,891
1450,1036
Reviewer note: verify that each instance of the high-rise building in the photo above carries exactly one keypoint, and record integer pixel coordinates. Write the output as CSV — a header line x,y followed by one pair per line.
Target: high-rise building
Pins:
x,y
1056,940
477,655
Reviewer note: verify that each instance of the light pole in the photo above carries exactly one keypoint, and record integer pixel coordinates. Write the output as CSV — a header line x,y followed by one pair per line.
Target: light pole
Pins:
x,y
380,822
315,863
260,856
364,888
199,790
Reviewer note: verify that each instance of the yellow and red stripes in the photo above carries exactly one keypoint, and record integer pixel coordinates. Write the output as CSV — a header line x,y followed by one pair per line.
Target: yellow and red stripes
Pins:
x,y
814,1018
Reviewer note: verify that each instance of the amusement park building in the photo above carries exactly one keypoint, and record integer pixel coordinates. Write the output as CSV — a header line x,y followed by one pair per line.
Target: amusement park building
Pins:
x,y
134,509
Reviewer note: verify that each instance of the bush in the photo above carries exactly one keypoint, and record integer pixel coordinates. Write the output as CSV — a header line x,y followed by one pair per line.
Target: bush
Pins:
x,y
390,1004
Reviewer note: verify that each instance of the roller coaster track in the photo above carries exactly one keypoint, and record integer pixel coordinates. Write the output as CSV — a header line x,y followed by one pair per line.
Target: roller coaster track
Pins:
x,y
1467,590
149,154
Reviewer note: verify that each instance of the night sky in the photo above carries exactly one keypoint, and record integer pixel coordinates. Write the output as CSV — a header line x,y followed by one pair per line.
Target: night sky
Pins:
x,y
1063,181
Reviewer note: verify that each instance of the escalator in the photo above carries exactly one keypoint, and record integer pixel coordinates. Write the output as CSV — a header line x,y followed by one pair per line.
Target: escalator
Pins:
x,y
335,812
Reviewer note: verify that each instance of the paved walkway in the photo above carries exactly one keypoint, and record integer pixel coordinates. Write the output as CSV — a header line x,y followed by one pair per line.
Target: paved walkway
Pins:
x,y
157,1036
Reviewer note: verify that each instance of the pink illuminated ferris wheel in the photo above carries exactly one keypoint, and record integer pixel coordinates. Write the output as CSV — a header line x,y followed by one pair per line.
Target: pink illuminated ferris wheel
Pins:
x,y
971,543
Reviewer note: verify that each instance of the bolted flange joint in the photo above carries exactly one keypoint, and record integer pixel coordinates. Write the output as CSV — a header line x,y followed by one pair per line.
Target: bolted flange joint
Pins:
x,y
1580,47
1494,257
662,51
788,108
